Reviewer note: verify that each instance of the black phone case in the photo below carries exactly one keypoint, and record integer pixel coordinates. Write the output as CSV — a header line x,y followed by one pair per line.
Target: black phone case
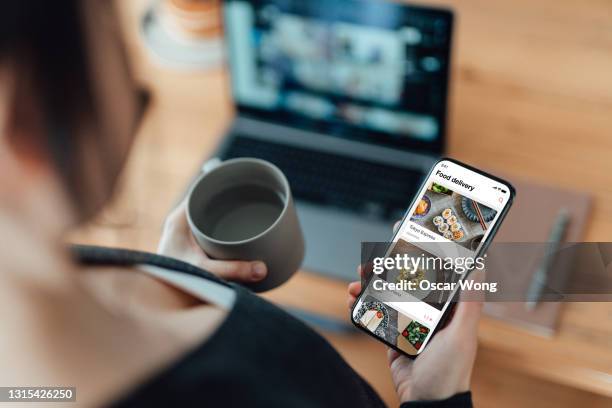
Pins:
x,y
448,313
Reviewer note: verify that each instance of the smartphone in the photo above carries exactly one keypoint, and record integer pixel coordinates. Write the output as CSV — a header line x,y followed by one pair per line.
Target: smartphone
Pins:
x,y
452,220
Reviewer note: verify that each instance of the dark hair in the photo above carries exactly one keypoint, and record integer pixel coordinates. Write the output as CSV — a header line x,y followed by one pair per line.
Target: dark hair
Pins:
x,y
44,40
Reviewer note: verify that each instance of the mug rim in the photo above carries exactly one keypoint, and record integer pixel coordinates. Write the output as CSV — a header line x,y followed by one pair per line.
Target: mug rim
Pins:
x,y
231,162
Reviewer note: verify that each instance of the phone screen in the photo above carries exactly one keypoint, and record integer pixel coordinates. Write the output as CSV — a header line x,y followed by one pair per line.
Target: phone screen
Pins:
x,y
441,239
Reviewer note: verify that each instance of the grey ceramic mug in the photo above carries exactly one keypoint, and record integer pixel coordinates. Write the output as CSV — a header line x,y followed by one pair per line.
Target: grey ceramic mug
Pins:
x,y
280,245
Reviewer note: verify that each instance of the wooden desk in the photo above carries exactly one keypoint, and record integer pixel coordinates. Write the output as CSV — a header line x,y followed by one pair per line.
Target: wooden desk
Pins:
x,y
531,96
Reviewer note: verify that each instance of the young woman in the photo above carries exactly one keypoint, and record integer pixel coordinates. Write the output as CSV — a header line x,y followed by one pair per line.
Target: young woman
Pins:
x,y
98,319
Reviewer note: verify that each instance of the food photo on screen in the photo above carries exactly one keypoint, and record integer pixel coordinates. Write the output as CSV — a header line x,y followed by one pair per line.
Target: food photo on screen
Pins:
x,y
453,216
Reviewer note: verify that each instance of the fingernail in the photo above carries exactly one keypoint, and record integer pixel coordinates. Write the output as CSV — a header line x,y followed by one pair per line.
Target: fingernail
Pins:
x,y
259,270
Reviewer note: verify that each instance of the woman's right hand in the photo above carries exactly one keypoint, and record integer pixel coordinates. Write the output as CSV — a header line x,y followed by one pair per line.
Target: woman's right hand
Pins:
x,y
177,241
444,368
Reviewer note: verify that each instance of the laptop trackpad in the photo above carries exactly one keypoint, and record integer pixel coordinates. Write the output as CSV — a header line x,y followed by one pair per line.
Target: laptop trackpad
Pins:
x,y
333,239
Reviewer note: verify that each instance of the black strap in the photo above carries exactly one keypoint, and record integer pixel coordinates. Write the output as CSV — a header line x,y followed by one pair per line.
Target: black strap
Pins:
x,y
96,255
461,400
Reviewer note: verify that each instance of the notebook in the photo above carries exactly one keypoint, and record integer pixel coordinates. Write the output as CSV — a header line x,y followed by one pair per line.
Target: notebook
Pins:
x,y
535,210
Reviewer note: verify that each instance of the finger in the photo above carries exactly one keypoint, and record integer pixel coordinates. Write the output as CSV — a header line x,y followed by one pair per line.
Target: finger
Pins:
x,y
466,317
393,356
478,276
396,226
354,288
177,218
175,226
365,271
239,271
350,301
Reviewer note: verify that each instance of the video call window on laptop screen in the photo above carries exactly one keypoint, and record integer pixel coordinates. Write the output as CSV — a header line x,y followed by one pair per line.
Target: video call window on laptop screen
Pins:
x,y
368,70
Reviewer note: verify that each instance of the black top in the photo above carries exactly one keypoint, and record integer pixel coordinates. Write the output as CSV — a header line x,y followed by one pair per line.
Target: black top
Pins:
x,y
259,356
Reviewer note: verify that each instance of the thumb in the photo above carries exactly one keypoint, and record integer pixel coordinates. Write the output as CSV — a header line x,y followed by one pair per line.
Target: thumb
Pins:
x,y
469,308
176,221
237,271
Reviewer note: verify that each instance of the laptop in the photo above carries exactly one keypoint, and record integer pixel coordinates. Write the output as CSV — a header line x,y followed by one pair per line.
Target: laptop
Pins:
x,y
349,99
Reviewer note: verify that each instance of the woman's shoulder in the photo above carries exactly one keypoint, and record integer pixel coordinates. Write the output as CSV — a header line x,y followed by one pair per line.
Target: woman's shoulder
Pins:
x,y
60,320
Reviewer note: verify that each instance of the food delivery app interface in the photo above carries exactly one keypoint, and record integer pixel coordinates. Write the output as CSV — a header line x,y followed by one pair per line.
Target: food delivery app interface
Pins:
x,y
436,245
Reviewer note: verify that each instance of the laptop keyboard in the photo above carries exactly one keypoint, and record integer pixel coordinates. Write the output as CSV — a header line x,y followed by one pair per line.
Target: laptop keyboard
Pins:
x,y
364,187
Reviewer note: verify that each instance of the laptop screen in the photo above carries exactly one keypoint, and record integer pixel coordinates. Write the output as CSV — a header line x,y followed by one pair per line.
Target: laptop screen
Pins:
x,y
366,70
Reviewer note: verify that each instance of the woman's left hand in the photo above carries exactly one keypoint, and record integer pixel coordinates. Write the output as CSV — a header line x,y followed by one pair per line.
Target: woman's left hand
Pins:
x,y
177,241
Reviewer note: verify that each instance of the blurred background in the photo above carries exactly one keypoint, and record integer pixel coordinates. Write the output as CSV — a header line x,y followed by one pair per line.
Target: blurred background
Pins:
x,y
529,98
